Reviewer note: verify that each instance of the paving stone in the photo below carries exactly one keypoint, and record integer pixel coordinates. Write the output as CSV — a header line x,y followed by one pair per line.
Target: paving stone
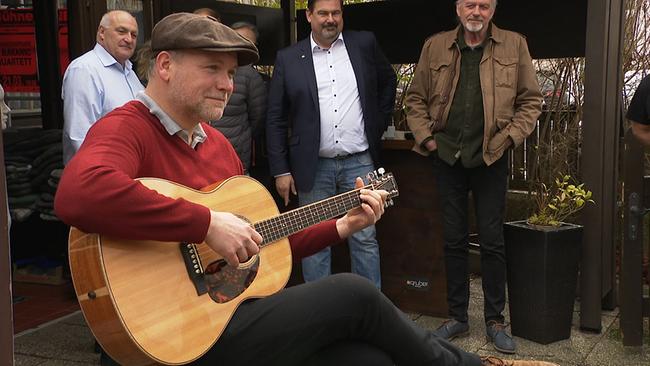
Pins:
x,y
58,341
76,318
68,341
50,362
610,350
23,360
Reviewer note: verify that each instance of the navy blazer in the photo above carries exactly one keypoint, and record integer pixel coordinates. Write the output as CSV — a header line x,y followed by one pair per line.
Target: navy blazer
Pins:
x,y
293,113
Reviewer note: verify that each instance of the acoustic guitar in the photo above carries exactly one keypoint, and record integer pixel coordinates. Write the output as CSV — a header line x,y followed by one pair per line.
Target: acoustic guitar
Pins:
x,y
150,302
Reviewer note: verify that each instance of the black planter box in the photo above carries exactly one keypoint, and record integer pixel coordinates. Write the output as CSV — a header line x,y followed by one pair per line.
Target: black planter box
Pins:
x,y
542,277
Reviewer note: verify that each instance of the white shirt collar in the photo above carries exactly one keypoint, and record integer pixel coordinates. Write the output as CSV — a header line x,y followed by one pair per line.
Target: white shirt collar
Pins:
x,y
315,46
107,59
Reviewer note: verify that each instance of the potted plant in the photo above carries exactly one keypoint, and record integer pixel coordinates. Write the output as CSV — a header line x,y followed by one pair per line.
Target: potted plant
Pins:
x,y
542,255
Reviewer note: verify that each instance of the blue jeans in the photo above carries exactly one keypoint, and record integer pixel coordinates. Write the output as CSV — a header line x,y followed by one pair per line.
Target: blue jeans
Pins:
x,y
334,176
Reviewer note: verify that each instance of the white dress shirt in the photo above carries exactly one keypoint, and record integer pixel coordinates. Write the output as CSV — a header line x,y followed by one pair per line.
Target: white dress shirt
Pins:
x,y
341,118
93,85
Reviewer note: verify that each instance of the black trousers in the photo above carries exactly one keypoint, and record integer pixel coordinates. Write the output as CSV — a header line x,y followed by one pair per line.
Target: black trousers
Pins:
x,y
338,320
488,185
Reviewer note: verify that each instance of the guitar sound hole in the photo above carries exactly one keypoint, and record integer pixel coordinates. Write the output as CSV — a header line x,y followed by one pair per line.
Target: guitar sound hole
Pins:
x,y
226,282
215,267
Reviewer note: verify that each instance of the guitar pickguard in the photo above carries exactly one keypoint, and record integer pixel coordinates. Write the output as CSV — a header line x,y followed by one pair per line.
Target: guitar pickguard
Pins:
x,y
225,282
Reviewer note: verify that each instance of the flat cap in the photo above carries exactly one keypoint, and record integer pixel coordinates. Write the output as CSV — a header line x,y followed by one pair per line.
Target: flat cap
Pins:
x,y
182,31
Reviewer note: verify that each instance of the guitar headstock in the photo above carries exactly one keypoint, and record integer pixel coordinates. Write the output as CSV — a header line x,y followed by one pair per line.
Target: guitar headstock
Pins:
x,y
379,179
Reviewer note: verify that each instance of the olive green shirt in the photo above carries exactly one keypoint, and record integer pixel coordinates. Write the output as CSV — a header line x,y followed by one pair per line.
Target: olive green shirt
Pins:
x,y
462,137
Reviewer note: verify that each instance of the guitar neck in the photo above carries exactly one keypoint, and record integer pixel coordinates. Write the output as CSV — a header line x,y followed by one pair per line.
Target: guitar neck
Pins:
x,y
293,221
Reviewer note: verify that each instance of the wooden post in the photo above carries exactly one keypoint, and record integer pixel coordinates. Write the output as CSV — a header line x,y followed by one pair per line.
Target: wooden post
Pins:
x,y
289,14
47,31
631,286
6,304
601,125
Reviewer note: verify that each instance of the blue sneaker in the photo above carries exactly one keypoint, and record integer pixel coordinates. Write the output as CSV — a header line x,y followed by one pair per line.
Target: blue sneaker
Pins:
x,y
502,341
451,329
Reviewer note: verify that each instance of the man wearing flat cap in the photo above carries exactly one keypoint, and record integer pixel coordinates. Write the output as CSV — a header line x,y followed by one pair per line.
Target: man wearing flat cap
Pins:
x,y
164,134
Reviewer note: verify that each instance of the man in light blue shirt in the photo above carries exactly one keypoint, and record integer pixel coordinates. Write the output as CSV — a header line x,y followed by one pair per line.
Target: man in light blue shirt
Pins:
x,y
100,80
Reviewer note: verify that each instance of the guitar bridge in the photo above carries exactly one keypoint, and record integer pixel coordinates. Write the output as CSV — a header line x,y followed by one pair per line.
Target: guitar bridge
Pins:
x,y
194,267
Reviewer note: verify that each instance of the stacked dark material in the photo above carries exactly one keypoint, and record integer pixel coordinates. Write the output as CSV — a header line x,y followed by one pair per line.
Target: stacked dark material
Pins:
x,y
33,161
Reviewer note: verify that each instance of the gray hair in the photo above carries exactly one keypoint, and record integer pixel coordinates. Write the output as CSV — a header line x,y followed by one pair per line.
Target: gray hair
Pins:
x,y
494,3
107,20
149,59
242,24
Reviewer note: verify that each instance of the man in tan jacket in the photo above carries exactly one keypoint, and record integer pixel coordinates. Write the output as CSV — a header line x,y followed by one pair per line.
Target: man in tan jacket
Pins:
x,y
474,95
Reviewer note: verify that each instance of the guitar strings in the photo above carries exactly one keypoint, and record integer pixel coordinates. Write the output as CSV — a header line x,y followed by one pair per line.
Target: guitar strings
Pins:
x,y
291,222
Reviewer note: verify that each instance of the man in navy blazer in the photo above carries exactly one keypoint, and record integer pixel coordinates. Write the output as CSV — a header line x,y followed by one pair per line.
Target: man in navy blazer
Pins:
x,y
330,100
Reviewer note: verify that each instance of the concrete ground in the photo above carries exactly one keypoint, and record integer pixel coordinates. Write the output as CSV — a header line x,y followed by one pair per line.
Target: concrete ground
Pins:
x,y
68,342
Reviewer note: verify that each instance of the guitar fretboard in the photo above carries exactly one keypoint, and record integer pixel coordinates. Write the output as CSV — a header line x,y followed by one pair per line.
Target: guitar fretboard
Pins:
x,y
291,222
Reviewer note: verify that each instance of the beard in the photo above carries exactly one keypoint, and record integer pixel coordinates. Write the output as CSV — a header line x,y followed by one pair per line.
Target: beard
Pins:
x,y
207,111
196,105
473,27
330,31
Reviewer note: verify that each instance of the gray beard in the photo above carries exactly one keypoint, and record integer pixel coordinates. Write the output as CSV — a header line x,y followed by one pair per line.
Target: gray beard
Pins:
x,y
474,28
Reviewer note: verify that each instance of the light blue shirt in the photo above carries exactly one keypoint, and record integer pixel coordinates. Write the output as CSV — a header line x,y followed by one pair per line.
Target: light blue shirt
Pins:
x,y
93,85
342,129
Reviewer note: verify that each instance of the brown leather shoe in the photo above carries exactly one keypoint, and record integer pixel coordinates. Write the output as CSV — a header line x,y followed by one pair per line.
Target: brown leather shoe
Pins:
x,y
494,361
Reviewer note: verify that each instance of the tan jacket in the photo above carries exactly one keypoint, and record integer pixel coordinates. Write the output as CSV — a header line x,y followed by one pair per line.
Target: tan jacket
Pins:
x,y
512,100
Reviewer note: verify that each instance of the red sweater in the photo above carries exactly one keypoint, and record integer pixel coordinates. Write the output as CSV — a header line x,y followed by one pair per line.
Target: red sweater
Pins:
x,y
97,193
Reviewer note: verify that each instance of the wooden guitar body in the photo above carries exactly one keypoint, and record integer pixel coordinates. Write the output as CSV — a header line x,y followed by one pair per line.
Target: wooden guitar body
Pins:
x,y
138,297
150,302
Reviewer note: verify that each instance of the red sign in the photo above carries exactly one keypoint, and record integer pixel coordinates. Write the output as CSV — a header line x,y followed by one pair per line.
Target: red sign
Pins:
x,y
18,62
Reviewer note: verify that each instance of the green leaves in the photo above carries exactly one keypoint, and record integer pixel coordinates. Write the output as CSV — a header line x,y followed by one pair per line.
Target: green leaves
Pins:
x,y
557,203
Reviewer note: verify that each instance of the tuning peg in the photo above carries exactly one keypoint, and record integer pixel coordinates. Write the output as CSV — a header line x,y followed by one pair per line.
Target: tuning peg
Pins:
x,y
389,203
381,171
